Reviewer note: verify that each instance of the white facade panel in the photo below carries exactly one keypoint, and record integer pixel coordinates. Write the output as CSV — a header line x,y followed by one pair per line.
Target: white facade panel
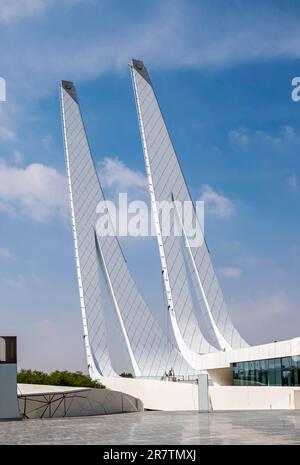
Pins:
x,y
150,351
166,182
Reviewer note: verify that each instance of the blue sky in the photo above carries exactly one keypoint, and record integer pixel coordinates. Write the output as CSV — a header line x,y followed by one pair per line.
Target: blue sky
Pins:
x,y
223,74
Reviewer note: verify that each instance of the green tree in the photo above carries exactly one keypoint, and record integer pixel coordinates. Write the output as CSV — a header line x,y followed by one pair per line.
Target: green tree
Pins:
x,y
32,377
58,378
127,375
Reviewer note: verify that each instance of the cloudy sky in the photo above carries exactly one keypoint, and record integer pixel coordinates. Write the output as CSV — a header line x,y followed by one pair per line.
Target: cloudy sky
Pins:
x,y
223,75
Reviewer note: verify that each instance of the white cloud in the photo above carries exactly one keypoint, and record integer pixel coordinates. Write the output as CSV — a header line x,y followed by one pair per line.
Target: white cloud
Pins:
x,y
266,316
15,10
260,263
165,39
5,253
274,303
11,10
114,173
6,133
243,136
216,204
278,303
230,245
239,136
173,34
117,179
293,183
37,191
16,281
251,260
288,132
17,157
230,272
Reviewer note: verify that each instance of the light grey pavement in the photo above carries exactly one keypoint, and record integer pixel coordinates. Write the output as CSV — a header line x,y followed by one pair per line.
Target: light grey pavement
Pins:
x,y
259,427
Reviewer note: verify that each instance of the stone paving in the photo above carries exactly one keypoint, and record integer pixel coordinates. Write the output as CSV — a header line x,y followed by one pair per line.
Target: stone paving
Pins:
x,y
251,427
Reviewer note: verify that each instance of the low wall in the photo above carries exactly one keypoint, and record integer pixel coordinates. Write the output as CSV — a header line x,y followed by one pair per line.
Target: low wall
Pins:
x,y
254,397
38,401
132,395
157,395
166,395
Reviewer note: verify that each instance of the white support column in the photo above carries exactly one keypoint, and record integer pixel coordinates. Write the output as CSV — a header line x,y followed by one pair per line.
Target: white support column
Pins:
x,y
203,396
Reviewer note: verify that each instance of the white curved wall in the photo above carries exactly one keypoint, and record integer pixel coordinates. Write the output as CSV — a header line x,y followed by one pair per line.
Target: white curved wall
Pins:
x,y
167,395
40,401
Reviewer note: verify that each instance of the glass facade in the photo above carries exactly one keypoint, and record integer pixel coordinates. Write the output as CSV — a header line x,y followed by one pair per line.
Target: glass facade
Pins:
x,y
283,371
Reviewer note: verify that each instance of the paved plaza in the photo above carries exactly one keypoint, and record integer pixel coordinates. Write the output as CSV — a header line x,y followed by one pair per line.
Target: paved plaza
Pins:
x,y
252,427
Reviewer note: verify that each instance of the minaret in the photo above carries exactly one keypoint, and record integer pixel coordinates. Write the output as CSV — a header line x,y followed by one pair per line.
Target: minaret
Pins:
x,y
166,183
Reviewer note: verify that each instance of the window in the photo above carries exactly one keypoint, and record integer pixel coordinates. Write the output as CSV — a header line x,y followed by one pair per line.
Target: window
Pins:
x,y
257,373
283,371
277,363
271,372
296,364
264,373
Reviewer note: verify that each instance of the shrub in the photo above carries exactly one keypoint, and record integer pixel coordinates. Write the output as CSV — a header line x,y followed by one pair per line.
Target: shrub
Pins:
x,y
57,378
127,375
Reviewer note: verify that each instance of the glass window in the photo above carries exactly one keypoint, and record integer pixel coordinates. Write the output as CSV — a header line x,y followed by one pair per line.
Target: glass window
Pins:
x,y
257,372
286,362
283,371
278,371
287,372
235,373
271,372
251,373
246,368
286,377
264,372
297,370
241,374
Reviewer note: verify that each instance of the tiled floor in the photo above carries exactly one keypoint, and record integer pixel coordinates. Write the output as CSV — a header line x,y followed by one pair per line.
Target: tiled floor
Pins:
x,y
260,427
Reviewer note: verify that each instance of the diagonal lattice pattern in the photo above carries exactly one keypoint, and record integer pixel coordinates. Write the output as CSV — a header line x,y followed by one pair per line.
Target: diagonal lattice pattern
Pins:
x,y
167,183
150,347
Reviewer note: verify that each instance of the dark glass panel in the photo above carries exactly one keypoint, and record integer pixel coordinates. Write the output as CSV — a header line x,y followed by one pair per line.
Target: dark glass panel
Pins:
x,y
287,371
235,374
246,368
278,372
286,362
297,370
271,372
257,372
241,374
251,373
264,370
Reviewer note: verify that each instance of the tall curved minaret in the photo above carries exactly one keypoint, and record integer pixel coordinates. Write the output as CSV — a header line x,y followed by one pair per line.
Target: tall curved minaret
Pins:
x,y
166,183
101,264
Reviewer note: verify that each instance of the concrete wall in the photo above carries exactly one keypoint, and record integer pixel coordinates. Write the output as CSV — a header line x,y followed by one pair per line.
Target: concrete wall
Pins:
x,y
297,399
131,395
8,391
157,395
254,397
221,376
58,401
220,359
166,395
